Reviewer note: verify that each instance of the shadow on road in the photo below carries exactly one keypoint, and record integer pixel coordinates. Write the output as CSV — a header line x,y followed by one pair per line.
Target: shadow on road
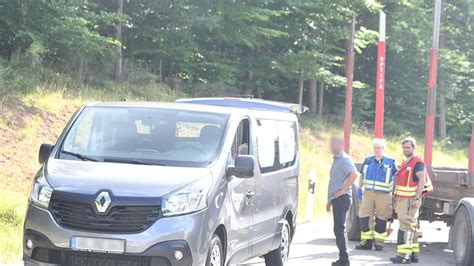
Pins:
x,y
314,244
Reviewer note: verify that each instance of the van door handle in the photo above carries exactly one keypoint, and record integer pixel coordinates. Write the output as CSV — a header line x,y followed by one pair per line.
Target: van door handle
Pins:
x,y
249,194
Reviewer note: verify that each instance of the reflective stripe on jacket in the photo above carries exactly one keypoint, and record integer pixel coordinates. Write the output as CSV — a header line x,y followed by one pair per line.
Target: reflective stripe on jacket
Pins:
x,y
378,175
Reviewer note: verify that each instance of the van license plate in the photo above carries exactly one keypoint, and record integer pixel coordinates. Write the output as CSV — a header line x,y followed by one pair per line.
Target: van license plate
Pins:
x,y
97,244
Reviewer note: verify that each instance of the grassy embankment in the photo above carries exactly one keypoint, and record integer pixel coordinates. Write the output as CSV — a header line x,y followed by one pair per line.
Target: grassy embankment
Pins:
x,y
29,119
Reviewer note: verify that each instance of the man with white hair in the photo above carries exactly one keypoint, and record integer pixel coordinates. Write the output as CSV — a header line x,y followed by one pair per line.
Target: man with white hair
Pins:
x,y
377,172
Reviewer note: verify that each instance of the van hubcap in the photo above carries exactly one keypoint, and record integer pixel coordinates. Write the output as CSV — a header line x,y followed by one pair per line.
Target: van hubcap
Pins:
x,y
216,256
285,243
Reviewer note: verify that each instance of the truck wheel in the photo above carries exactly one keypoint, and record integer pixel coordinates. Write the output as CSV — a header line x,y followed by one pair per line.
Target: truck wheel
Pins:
x,y
279,256
463,242
352,219
215,255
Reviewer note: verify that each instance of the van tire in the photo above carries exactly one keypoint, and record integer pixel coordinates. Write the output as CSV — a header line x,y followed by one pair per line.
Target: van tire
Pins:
x,y
276,256
215,254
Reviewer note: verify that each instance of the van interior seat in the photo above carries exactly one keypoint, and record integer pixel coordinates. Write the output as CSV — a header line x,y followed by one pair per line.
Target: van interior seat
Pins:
x,y
126,136
209,137
163,137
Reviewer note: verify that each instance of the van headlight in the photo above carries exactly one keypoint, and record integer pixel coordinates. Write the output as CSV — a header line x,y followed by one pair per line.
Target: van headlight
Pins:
x,y
41,193
190,198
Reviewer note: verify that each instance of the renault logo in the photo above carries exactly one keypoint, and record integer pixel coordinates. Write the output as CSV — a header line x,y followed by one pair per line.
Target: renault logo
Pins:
x,y
102,202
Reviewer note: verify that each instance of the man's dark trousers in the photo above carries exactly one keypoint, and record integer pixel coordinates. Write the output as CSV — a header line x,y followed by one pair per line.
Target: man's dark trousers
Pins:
x,y
340,206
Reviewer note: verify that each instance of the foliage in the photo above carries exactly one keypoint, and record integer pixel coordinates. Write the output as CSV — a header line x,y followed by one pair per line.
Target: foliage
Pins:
x,y
259,47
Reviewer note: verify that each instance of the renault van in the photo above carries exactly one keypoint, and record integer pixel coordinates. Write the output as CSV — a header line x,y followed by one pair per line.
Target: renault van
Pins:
x,y
197,182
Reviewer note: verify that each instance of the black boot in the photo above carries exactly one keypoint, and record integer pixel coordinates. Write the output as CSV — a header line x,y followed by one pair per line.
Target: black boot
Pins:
x,y
378,247
414,258
341,263
399,260
366,246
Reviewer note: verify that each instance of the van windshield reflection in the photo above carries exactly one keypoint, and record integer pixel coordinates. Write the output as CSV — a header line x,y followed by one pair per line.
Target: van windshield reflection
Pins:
x,y
149,136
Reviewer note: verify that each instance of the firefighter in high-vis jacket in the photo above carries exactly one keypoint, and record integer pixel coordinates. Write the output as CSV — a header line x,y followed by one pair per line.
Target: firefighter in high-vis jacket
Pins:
x,y
377,173
412,182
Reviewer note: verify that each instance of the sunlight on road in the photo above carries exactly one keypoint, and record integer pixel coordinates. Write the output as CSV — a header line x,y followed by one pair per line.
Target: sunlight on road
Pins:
x,y
314,244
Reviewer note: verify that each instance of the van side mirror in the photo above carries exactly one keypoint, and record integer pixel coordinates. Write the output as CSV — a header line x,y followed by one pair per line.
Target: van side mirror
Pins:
x,y
243,168
44,152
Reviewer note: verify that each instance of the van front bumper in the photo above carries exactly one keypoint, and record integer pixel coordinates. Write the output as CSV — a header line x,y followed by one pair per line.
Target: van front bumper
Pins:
x,y
156,245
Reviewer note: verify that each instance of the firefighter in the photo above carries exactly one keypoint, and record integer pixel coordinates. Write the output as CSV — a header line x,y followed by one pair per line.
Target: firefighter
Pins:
x,y
412,182
377,173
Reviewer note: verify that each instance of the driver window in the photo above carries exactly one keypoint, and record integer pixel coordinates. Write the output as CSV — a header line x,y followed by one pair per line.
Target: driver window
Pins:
x,y
240,145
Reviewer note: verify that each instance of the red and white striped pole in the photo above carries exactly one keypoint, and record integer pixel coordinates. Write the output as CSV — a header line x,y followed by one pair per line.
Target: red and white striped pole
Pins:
x,y
380,79
431,95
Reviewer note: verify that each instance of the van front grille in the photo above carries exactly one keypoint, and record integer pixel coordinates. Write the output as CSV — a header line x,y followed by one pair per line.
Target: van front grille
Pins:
x,y
119,219
64,257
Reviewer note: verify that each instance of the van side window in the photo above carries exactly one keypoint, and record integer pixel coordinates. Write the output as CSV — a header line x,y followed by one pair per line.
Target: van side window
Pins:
x,y
276,144
240,145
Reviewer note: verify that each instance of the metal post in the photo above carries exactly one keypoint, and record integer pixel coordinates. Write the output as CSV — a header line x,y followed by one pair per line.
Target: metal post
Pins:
x,y
380,79
471,153
310,198
349,76
431,95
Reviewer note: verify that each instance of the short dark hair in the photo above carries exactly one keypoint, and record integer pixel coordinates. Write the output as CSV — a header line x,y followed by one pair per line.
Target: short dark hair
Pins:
x,y
411,140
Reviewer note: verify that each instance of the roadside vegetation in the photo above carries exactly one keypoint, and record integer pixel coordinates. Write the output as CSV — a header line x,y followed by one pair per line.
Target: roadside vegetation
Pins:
x,y
57,55
29,119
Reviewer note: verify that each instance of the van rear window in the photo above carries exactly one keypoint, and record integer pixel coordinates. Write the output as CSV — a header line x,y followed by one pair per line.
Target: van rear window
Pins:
x,y
276,143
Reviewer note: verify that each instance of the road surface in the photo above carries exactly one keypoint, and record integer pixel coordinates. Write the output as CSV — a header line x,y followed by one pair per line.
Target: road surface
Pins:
x,y
314,244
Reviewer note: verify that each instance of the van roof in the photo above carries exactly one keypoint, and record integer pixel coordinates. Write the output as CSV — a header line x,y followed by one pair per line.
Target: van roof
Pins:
x,y
248,103
198,106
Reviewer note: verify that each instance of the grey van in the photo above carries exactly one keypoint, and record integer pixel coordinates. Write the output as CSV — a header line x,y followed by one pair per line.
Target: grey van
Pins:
x,y
198,182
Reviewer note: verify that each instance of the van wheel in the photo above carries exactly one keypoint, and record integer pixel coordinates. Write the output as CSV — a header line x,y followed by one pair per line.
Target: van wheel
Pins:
x,y
463,242
279,256
215,255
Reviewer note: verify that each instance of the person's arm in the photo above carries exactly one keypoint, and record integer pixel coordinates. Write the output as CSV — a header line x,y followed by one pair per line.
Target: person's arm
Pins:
x,y
347,185
420,174
361,179
394,174
421,183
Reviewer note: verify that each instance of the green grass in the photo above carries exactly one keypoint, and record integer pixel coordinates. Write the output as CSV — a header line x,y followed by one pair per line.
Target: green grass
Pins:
x,y
12,210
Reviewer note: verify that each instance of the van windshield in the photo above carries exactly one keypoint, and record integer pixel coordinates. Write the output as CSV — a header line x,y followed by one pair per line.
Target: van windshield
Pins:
x,y
145,136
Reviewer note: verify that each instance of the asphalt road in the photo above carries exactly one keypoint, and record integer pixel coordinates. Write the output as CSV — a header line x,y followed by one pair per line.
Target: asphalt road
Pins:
x,y
314,244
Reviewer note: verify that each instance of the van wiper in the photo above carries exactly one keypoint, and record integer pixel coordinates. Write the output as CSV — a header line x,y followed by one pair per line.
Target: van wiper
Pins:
x,y
81,156
131,161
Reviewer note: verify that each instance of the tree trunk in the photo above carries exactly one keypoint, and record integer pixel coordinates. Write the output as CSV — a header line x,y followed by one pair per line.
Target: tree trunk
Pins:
x,y
15,55
249,77
321,98
118,48
80,70
312,96
442,111
161,70
300,91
